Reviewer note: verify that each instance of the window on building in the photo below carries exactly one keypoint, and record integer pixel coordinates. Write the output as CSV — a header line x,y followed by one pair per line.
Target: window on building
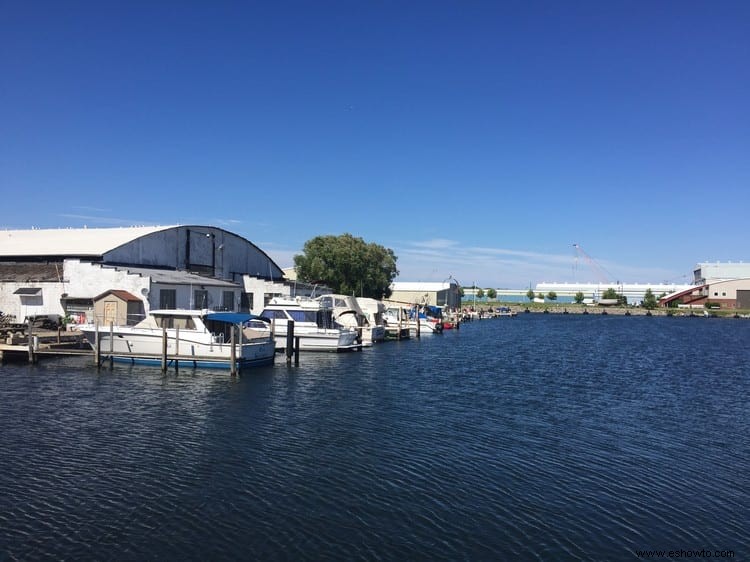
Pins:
x,y
200,299
168,298
723,294
227,300
246,301
268,296
716,293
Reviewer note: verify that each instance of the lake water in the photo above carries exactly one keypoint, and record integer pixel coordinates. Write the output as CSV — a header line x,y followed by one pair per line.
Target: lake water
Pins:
x,y
540,437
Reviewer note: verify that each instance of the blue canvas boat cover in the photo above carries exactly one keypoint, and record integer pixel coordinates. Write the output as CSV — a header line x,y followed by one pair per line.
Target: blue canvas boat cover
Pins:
x,y
231,317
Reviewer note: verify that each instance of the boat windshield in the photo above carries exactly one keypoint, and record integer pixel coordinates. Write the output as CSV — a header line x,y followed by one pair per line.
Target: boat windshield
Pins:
x,y
304,316
181,322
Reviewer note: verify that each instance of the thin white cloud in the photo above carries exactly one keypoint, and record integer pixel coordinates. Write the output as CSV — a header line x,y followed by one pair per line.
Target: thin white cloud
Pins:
x,y
91,209
436,260
100,220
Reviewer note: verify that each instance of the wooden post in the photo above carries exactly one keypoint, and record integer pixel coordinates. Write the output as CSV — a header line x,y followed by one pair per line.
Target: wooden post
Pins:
x,y
164,349
177,348
416,313
233,353
30,334
296,351
97,346
289,341
111,344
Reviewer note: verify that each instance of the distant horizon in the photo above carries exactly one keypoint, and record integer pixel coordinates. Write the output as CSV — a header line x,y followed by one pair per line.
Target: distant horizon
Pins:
x,y
400,277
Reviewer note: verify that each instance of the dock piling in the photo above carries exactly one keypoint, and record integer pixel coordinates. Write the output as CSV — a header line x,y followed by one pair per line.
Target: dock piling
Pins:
x,y
289,341
111,345
97,346
233,352
164,349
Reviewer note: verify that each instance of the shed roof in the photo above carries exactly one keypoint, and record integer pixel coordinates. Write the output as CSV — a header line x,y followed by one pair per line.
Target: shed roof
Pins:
x,y
70,241
119,293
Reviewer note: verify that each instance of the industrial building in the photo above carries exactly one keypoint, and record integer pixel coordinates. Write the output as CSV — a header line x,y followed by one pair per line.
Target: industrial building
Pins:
x,y
592,292
446,294
63,271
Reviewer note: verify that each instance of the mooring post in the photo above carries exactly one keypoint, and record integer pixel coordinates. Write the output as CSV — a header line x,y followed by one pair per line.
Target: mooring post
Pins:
x,y
416,313
30,333
97,346
296,351
289,341
111,344
176,348
233,352
164,349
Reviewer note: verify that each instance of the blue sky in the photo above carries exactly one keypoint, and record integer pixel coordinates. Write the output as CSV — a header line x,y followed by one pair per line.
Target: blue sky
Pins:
x,y
478,140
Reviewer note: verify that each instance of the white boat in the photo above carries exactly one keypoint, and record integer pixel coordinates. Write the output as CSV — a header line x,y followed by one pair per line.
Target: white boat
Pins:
x,y
504,311
348,313
374,311
313,325
200,338
430,319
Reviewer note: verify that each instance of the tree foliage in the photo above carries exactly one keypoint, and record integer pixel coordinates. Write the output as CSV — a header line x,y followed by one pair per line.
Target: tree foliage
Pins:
x,y
530,294
579,298
491,294
552,295
609,294
348,265
480,293
649,300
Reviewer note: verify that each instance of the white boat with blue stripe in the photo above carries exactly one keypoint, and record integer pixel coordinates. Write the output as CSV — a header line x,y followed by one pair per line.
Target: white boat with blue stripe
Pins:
x,y
200,338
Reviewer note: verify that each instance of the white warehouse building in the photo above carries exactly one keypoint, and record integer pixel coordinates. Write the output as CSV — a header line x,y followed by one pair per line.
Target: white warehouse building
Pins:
x,y
592,292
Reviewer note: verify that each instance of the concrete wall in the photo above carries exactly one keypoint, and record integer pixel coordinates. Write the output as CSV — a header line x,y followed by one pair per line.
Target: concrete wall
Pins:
x,y
20,306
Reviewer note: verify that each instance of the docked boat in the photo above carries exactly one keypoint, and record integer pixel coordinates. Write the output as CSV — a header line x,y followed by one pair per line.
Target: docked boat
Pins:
x,y
348,313
199,338
504,311
314,325
374,311
430,319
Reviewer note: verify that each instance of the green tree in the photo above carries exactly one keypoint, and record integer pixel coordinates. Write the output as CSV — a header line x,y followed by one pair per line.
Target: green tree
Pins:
x,y
552,295
480,293
348,265
491,294
579,297
610,294
649,300
540,296
530,294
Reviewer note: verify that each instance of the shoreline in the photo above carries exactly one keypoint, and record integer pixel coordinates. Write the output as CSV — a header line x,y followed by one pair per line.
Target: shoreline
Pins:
x,y
599,310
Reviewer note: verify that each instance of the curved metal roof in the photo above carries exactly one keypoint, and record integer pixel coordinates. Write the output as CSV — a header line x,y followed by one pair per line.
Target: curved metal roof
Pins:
x,y
70,241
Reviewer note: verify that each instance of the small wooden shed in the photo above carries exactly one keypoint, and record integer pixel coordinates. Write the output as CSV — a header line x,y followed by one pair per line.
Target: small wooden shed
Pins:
x,y
118,307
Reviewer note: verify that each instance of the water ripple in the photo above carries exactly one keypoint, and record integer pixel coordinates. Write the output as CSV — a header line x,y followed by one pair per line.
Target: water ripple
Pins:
x,y
538,438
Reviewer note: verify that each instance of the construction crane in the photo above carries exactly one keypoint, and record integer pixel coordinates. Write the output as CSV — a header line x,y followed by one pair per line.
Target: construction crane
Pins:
x,y
603,275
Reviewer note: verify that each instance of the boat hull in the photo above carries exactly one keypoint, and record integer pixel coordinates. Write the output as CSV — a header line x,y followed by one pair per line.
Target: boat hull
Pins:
x,y
147,347
321,340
